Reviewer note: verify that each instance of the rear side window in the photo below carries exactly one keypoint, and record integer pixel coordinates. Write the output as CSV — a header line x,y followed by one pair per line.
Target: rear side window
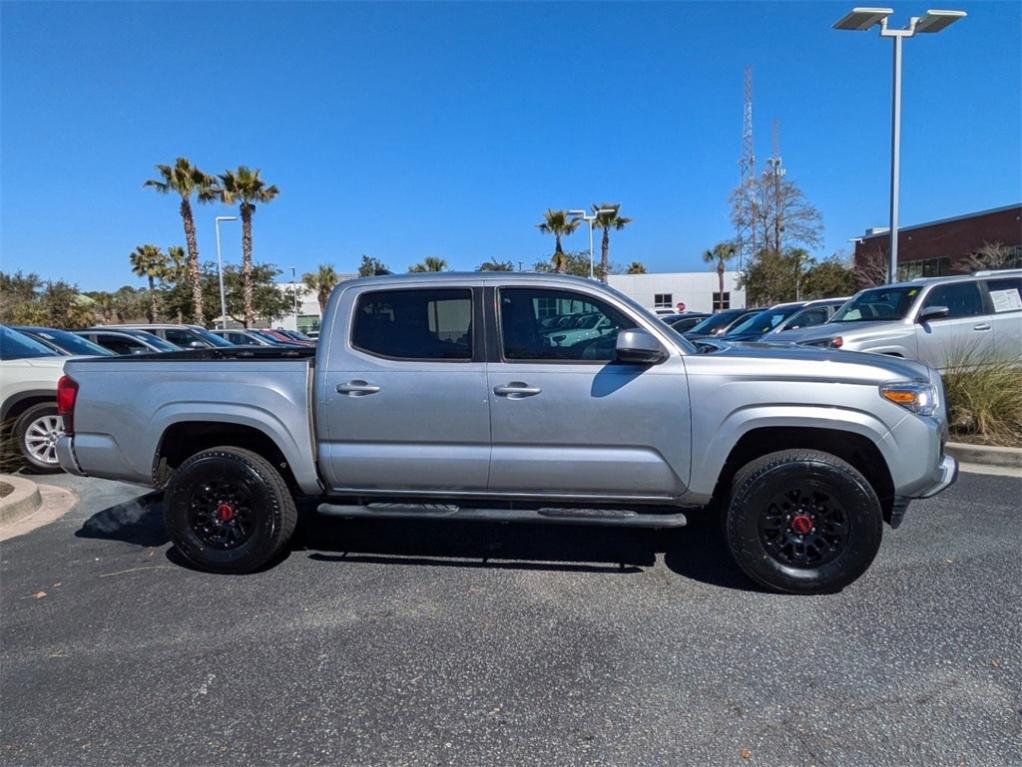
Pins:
x,y
1006,294
427,324
961,298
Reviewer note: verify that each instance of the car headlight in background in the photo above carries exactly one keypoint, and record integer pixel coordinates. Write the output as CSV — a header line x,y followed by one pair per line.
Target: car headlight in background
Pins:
x,y
827,343
920,398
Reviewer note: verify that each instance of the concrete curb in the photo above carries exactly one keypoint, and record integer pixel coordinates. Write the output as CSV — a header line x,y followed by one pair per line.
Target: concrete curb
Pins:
x,y
21,502
988,455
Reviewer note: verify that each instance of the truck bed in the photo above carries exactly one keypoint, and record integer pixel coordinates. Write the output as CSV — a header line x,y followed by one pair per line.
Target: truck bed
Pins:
x,y
126,405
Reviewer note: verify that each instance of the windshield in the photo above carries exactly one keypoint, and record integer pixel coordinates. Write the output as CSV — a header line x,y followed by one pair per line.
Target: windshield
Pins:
x,y
764,321
715,322
213,338
71,343
879,304
18,346
154,340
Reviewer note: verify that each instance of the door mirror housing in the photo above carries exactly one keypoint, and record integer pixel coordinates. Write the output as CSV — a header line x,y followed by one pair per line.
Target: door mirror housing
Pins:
x,y
639,346
933,313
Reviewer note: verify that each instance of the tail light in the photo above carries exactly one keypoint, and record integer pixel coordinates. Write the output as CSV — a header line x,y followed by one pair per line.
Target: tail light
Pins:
x,y
67,393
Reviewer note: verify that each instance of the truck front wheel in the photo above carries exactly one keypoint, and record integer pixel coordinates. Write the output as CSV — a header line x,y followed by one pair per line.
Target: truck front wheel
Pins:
x,y
228,510
803,522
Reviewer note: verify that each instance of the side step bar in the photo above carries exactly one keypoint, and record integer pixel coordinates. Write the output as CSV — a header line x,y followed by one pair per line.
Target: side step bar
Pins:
x,y
550,515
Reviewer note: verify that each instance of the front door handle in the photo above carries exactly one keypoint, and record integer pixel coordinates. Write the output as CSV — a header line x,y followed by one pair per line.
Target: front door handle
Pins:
x,y
982,326
357,388
516,390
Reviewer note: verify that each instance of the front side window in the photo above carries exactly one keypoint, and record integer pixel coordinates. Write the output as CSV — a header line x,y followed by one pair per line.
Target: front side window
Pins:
x,y
961,298
121,344
182,338
585,328
764,321
426,324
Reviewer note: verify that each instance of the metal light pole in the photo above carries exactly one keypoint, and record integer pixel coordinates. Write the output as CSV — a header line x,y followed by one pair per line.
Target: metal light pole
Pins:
x,y
861,19
220,269
581,214
294,296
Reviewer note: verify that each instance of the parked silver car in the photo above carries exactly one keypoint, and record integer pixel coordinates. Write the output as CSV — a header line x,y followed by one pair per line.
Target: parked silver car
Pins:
x,y
932,320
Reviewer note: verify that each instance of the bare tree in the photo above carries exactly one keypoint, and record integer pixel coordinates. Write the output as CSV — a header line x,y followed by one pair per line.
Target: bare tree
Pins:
x,y
993,255
771,213
871,269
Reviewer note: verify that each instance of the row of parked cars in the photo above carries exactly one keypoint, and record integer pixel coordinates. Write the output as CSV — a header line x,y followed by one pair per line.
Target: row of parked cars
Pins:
x,y
32,360
934,320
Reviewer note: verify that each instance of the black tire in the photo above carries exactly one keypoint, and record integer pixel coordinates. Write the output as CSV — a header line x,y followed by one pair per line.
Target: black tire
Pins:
x,y
803,522
257,524
32,437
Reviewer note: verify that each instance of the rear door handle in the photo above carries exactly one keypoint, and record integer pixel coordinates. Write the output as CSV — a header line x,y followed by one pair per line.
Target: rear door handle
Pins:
x,y
357,388
516,390
982,326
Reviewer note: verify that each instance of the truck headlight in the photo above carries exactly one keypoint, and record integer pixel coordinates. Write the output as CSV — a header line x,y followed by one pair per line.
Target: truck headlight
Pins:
x,y
920,398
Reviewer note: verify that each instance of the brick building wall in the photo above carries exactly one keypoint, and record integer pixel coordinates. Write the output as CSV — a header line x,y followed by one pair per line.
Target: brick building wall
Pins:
x,y
937,247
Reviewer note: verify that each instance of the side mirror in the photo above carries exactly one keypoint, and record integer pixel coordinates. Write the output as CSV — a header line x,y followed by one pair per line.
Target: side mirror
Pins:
x,y
639,346
933,313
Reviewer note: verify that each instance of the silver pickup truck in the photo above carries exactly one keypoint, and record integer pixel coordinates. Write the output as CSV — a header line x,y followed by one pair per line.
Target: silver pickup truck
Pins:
x,y
460,396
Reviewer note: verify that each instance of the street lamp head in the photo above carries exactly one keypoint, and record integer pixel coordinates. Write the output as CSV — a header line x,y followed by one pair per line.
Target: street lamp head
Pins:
x,y
861,19
606,211
226,218
580,213
934,21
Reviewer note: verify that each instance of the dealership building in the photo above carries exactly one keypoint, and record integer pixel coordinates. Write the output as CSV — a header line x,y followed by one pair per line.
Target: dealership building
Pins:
x,y
936,248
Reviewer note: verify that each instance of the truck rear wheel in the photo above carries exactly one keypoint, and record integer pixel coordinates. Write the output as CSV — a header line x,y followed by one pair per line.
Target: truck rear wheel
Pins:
x,y
228,510
803,522
35,435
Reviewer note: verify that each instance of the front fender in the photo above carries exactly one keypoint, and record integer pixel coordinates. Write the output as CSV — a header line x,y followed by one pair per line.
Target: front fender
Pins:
x,y
708,463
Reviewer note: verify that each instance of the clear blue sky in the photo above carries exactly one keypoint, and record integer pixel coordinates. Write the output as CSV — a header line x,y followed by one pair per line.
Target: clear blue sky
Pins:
x,y
403,131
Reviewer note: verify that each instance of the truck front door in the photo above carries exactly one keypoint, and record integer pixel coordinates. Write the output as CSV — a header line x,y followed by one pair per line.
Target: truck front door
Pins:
x,y
401,402
567,418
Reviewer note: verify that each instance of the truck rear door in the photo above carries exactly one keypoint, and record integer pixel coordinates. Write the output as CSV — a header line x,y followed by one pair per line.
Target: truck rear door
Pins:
x,y
401,398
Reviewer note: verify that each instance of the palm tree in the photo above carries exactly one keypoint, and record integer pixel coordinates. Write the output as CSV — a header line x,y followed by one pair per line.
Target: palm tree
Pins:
x,y
636,267
150,262
558,223
430,264
244,185
185,179
722,253
322,281
611,218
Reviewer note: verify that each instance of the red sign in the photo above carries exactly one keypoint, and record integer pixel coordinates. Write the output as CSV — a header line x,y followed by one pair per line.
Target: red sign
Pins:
x,y
681,306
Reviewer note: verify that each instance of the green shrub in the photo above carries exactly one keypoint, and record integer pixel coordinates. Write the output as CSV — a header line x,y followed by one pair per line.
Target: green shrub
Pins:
x,y
984,398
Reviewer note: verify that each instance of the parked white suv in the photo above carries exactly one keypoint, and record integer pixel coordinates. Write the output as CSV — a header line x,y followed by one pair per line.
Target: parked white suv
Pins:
x,y
935,320
29,372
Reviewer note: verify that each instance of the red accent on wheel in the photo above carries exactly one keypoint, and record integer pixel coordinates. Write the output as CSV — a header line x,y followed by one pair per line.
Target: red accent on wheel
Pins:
x,y
224,512
802,524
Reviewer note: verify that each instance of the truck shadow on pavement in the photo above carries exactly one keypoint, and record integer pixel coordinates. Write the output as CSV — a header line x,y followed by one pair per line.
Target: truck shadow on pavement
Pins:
x,y
696,552
139,521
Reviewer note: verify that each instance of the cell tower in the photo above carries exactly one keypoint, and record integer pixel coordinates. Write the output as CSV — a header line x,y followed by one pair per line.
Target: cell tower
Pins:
x,y
775,168
746,163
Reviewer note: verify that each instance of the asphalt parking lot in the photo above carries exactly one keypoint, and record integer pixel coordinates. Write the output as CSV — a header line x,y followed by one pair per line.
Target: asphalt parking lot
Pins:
x,y
438,643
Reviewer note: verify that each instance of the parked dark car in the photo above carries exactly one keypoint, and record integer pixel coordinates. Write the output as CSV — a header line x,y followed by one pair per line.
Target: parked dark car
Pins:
x,y
183,336
720,323
297,335
64,341
122,341
241,336
683,321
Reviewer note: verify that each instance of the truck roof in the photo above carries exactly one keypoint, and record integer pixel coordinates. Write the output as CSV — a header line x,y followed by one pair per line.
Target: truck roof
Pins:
x,y
486,276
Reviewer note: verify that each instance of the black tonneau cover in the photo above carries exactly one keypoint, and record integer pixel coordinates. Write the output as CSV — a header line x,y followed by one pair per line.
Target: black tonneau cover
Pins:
x,y
216,353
